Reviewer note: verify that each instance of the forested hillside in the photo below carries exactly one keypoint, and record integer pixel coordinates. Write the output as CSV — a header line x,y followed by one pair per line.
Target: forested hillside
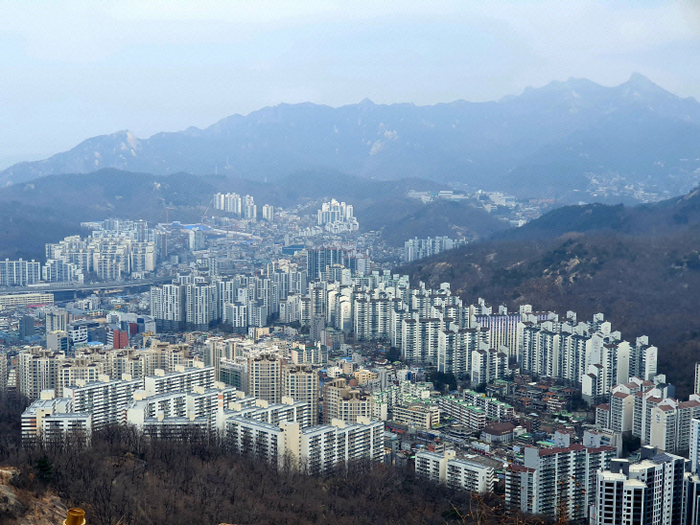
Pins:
x,y
124,479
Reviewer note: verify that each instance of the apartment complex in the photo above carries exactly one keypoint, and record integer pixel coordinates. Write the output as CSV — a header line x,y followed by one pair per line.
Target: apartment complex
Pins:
x,y
653,490
109,254
300,382
345,403
19,273
457,473
265,377
42,369
559,482
315,449
416,248
648,410
337,217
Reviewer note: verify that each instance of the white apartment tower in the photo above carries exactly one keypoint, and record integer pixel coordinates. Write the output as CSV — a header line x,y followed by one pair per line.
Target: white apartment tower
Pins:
x,y
265,378
38,370
457,473
300,382
557,482
648,492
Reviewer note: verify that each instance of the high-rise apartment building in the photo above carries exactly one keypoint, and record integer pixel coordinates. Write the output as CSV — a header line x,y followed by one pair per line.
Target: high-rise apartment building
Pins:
x,y
182,379
110,254
319,259
648,492
694,446
345,403
81,369
315,449
230,202
56,319
268,213
557,482
196,240
300,382
416,248
337,217
37,370
168,306
265,378
4,370
488,365
106,399
51,419
60,271
19,273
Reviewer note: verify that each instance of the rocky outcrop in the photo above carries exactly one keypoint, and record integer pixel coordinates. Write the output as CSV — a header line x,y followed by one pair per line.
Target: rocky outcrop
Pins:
x,y
21,507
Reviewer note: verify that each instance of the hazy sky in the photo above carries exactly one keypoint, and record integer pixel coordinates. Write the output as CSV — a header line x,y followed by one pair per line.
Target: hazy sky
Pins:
x,y
71,70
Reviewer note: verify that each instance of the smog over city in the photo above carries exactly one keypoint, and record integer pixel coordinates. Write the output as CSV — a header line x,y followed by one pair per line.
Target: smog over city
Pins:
x,y
350,262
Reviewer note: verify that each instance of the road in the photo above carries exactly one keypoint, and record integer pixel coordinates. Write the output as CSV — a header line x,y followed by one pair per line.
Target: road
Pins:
x,y
72,287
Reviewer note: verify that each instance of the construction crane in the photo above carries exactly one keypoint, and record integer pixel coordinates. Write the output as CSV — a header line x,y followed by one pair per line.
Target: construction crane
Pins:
x,y
211,203
167,219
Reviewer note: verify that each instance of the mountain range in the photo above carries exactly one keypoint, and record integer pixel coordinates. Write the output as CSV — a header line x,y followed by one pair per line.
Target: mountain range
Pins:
x,y
573,141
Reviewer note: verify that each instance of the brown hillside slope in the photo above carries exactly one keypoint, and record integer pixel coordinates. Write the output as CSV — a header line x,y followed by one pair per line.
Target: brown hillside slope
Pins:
x,y
645,285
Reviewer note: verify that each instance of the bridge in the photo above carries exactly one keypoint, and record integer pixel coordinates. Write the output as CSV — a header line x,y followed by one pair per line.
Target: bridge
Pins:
x,y
75,287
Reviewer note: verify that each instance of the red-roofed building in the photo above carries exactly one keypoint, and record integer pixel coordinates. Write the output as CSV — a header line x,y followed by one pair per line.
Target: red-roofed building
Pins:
x,y
670,424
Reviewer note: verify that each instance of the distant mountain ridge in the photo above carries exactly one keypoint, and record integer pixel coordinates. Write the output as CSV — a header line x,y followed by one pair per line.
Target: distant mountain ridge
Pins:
x,y
573,140
670,216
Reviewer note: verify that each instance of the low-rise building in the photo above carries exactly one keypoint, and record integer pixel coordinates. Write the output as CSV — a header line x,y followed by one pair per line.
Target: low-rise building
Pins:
x,y
419,415
498,433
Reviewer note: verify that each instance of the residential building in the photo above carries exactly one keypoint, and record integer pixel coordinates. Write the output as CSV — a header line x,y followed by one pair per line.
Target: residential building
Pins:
x,y
19,273
37,370
300,382
418,415
457,473
182,379
105,399
75,428
649,492
265,377
315,449
556,482
345,403
32,418
337,217
416,248
694,446
56,319
488,365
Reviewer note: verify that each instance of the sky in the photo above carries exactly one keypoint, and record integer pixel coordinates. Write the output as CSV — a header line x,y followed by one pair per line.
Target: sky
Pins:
x,y
71,70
